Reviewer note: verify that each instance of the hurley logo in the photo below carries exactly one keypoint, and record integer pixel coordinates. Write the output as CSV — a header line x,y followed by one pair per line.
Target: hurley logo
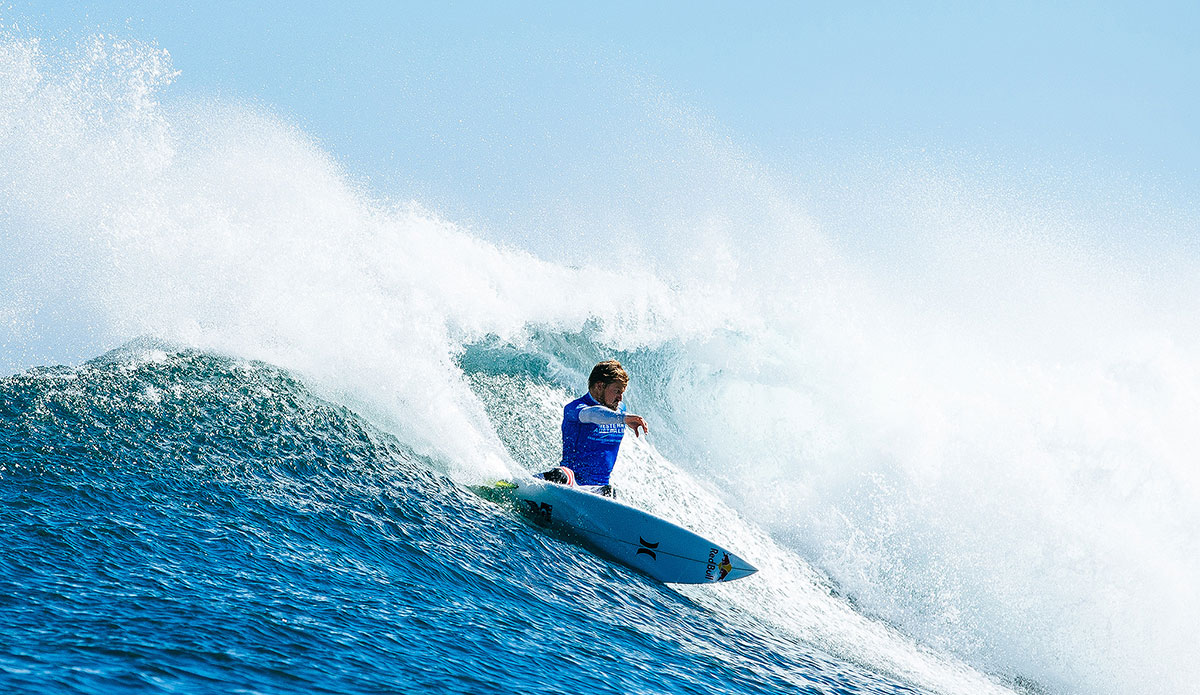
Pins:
x,y
647,548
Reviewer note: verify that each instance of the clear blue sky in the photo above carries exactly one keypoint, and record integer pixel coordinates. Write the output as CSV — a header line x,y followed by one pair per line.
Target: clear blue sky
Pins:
x,y
468,104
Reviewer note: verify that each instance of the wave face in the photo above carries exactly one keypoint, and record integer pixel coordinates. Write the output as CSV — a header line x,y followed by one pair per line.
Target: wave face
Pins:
x,y
182,520
961,454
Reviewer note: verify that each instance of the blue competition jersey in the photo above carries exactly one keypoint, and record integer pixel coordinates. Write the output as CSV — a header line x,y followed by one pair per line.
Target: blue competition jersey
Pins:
x,y
591,449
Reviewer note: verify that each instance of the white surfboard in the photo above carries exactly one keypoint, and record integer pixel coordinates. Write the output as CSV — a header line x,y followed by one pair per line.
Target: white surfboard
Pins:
x,y
637,539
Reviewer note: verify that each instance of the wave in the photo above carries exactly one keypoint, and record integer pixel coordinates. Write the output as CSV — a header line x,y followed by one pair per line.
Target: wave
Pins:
x,y
967,457
178,517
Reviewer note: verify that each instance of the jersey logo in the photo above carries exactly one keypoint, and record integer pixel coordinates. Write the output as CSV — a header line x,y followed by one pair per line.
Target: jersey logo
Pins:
x,y
647,548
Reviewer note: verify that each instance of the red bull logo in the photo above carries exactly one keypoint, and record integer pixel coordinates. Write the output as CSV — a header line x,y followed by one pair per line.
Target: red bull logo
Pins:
x,y
717,571
726,567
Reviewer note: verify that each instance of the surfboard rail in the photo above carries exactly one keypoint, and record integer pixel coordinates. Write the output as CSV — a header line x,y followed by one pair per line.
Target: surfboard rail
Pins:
x,y
622,533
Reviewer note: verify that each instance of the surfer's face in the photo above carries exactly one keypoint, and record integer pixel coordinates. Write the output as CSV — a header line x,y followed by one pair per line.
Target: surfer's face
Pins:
x,y
609,395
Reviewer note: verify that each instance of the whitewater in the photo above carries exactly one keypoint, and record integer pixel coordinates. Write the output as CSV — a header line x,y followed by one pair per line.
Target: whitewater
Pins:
x,y
243,397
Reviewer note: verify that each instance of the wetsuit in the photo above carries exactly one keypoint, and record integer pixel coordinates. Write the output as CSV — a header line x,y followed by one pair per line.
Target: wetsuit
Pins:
x,y
591,436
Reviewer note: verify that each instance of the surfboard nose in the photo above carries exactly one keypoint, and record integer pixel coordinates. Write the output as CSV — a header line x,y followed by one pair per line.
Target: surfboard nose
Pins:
x,y
740,572
733,567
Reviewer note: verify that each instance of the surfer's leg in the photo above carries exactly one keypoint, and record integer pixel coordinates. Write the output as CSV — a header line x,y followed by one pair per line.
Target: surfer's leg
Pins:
x,y
561,475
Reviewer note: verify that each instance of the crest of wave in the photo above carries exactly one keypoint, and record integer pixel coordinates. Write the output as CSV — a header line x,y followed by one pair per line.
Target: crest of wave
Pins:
x,y
223,227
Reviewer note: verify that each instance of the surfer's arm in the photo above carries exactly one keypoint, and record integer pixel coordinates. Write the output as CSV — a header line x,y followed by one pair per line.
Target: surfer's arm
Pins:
x,y
599,415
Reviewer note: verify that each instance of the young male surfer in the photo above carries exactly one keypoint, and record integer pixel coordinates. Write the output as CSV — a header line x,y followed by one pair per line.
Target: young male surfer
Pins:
x,y
592,428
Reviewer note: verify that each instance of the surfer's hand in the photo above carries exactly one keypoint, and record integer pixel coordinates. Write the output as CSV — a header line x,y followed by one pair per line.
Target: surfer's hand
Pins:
x,y
634,422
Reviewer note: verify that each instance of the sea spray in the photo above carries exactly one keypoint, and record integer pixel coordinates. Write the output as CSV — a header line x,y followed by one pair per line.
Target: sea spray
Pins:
x,y
994,457
235,233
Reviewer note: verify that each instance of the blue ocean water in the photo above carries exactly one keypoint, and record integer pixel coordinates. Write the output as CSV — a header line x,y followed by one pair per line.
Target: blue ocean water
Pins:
x,y
195,523
949,416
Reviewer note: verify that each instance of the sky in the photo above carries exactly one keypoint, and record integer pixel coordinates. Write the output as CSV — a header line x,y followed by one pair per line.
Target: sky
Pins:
x,y
998,120
531,123
444,100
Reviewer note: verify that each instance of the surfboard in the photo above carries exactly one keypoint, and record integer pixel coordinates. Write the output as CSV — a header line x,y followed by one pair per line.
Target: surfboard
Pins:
x,y
615,530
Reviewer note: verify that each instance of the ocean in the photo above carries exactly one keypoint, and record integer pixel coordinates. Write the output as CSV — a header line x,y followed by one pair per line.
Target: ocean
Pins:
x,y
243,400
179,521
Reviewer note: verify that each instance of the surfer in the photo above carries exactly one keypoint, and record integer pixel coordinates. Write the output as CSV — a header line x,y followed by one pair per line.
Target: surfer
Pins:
x,y
592,428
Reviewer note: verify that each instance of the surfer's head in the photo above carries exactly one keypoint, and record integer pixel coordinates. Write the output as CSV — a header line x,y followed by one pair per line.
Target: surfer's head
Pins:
x,y
607,383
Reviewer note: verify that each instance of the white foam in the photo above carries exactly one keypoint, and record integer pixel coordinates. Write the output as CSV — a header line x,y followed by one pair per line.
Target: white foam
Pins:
x,y
222,227
993,452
